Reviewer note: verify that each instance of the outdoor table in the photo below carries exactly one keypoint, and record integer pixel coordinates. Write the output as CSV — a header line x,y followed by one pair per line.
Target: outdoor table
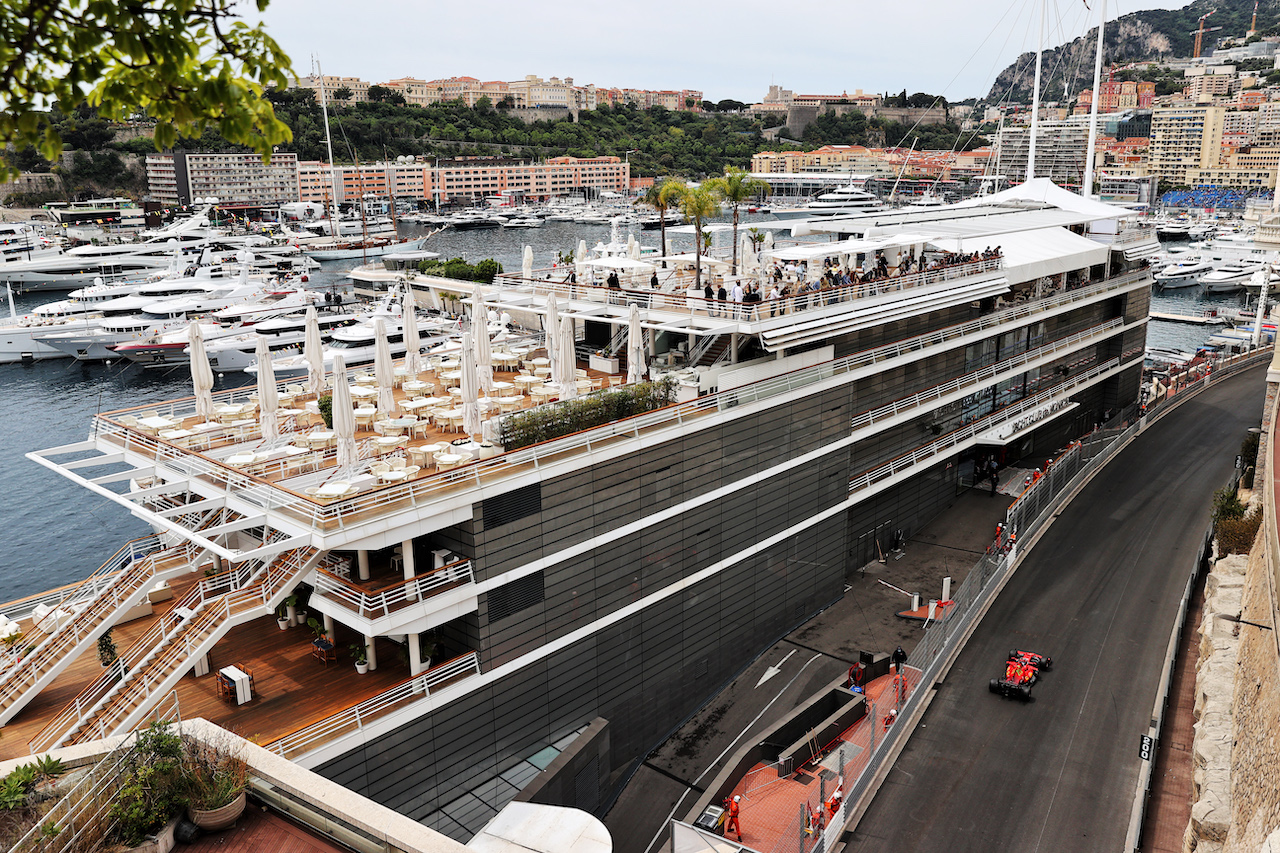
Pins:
x,y
398,424
364,391
365,411
176,434
416,385
333,490
414,405
451,377
528,381
394,476
541,361
157,423
448,460
240,681
505,360
504,389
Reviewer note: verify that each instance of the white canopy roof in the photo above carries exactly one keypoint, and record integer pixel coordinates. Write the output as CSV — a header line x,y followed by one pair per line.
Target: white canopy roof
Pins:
x,y
1029,255
744,227
1046,191
689,259
814,251
620,263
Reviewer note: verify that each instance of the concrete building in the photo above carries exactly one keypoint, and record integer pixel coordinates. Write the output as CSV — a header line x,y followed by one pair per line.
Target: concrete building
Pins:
x,y
1060,151
465,181
236,180
1118,95
1183,138
359,88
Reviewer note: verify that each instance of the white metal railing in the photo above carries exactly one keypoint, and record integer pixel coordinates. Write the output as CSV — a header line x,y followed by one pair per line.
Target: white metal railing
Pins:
x,y
679,301
356,717
964,433
269,497
55,648
384,602
983,375
170,642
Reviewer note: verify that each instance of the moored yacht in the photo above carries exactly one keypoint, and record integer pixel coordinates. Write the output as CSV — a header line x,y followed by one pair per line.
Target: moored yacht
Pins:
x,y
1186,273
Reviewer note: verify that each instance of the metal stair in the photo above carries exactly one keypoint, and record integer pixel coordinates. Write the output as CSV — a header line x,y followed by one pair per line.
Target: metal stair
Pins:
x,y
151,667
95,604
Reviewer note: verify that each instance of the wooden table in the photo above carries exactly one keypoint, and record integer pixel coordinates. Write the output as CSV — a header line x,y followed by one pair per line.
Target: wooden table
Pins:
x,y
243,690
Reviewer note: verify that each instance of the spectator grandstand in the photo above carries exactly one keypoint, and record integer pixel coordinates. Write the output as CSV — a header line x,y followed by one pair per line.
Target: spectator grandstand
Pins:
x,y
1218,198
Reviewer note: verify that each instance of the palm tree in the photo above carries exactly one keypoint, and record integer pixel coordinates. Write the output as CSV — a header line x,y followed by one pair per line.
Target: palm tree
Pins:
x,y
697,205
662,198
735,187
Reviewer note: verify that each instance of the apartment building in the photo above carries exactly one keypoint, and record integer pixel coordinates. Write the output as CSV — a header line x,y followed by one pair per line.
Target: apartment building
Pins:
x,y
1185,137
359,88
236,180
1118,95
1060,151
464,181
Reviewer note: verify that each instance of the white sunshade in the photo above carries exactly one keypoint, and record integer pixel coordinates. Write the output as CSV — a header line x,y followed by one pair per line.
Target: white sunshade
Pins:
x,y
1029,255
816,251
344,417
383,369
313,352
690,259
268,398
621,263
201,372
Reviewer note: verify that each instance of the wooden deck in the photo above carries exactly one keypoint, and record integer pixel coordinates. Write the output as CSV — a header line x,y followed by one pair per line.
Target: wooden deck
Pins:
x,y
292,689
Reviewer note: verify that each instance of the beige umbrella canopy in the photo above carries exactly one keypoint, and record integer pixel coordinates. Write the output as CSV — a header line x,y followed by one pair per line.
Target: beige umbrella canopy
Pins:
x,y
268,397
636,350
550,329
383,369
313,352
480,338
470,385
526,266
412,342
344,416
201,372
566,361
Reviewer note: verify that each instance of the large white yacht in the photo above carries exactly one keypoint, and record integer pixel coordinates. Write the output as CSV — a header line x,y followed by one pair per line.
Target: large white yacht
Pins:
x,y
1185,273
848,200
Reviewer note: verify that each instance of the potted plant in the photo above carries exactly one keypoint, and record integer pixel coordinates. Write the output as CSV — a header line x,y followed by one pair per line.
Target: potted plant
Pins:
x,y
361,653
427,647
325,403
215,777
318,627
282,618
152,791
107,649
302,592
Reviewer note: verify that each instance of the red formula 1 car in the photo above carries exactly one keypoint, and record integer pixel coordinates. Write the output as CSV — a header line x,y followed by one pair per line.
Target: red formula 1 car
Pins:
x,y
1021,671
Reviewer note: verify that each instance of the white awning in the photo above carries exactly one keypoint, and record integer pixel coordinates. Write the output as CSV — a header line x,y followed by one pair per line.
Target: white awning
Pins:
x,y
689,259
620,263
1142,250
1029,255
814,251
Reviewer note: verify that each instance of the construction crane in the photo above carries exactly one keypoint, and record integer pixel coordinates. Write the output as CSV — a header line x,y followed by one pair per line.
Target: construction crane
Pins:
x,y
1199,34
1253,25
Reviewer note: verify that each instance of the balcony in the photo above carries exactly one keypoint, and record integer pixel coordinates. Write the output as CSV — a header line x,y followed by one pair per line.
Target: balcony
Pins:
x,y
380,608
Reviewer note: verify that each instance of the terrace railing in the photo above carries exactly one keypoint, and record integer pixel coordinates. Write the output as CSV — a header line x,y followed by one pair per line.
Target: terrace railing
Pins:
x,y
355,718
384,602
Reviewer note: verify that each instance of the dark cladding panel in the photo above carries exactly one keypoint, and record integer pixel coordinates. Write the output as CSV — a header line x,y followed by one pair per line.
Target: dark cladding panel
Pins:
x,y
509,599
512,506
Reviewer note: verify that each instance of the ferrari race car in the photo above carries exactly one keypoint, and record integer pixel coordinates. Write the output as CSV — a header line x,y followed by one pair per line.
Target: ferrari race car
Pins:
x,y
1021,671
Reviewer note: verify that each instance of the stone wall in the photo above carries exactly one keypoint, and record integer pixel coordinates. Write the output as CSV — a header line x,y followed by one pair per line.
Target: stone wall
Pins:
x,y
1255,756
798,118
1215,677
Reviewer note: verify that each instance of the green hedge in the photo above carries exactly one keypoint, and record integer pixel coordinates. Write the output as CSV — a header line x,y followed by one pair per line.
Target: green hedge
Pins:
x,y
543,423
482,271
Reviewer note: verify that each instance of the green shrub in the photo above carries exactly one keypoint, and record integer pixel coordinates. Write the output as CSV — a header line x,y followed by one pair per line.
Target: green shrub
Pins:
x,y
1236,535
543,423
325,403
152,789
482,271
1226,505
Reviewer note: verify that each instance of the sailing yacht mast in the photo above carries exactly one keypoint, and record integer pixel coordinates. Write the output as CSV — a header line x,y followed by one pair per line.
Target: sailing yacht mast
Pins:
x,y
328,141
1035,99
1086,186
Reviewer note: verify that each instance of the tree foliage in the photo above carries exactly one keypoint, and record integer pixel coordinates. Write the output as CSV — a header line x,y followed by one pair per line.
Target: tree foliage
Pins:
x,y
185,64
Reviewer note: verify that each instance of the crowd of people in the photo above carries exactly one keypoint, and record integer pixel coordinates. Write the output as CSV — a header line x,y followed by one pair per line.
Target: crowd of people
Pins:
x,y
1218,198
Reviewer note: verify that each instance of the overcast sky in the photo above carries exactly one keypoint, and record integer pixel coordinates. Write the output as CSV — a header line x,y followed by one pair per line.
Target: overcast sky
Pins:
x,y
726,49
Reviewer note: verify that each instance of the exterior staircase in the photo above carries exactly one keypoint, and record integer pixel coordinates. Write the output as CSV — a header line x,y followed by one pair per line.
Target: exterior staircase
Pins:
x,y
94,605
150,668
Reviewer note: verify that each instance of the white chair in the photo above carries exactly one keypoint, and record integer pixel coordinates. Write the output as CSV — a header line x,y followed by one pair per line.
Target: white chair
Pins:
x,y
410,470
396,463
379,468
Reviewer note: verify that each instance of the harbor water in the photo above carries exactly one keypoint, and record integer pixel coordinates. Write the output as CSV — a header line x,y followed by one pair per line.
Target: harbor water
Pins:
x,y
57,532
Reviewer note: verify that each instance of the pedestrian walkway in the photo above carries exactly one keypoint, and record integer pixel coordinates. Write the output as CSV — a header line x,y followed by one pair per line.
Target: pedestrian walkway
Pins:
x,y
781,809
1169,806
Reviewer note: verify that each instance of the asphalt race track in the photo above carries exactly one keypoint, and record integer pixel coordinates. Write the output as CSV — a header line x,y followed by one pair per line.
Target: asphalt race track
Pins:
x,y
1098,593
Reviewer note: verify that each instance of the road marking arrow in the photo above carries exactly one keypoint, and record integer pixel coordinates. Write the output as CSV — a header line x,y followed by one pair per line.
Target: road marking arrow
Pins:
x,y
774,670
